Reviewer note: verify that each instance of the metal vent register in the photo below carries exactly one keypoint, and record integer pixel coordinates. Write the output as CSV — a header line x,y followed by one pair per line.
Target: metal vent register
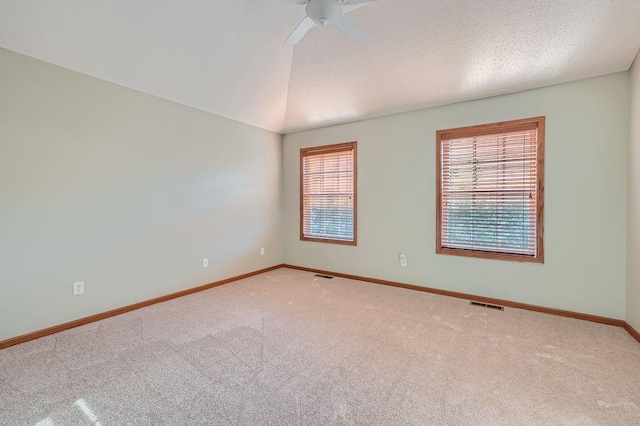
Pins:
x,y
487,305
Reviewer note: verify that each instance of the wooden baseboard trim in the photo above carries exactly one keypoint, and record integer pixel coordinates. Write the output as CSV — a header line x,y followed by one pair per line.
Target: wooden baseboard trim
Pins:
x,y
490,300
632,331
97,317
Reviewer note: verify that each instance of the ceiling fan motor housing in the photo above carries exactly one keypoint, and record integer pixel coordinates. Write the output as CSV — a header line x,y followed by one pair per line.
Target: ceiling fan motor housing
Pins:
x,y
322,12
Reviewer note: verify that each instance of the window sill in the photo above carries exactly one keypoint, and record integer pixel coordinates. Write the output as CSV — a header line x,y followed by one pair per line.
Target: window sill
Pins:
x,y
490,255
329,241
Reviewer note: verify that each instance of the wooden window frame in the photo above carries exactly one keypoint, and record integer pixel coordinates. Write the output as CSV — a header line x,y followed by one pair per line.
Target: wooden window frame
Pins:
x,y
483,130
346,146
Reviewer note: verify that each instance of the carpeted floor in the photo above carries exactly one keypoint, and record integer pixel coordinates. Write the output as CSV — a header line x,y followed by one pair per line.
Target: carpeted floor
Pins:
x,y
286,347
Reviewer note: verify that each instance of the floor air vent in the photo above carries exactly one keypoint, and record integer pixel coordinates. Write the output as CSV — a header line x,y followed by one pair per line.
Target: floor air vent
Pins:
x,y
324,276
487,305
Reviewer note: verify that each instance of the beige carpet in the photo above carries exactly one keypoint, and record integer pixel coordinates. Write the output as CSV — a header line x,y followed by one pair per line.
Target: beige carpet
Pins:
x,y
286,347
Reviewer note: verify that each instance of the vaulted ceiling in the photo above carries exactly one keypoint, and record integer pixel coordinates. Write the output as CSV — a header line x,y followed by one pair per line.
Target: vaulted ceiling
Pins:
x,y
228,57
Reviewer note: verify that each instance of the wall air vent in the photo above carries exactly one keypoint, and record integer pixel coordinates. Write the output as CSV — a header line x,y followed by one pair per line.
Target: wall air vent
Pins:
x,y
324,276
487,305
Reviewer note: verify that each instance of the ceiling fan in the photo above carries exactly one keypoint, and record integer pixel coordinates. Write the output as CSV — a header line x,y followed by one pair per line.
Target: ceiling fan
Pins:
x,y
327,12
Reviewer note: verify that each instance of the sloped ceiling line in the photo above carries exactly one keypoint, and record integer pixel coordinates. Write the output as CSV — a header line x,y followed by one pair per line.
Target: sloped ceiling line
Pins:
x,y
228,57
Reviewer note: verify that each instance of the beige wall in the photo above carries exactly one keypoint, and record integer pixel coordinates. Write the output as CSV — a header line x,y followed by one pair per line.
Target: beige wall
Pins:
x,y
633,212
129,192
586,143
124,191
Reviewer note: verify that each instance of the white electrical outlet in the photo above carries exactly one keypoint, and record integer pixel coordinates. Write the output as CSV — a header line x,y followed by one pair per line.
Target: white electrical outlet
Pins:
x,y
403,260
261,251
78,288
205,263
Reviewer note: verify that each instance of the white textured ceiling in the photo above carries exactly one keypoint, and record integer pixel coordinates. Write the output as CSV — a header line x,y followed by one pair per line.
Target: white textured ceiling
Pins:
x,y
228,57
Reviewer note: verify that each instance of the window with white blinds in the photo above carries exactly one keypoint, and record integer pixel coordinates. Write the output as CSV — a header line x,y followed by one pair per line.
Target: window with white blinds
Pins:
x,y
328,193
490,183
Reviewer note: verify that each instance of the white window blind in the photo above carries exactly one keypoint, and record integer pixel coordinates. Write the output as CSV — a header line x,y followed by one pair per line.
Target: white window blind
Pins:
x,y
328,198
489,191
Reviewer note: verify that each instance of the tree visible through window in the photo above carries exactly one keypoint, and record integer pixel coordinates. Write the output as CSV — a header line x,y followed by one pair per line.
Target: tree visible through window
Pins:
x,y
490,183
328,193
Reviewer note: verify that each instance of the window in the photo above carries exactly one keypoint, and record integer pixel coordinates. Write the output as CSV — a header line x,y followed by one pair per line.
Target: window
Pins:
x,y
490,184
328,184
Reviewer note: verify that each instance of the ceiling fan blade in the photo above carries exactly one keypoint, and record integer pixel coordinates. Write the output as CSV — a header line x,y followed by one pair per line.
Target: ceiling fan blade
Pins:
x,y
301,30
349,2
350,28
